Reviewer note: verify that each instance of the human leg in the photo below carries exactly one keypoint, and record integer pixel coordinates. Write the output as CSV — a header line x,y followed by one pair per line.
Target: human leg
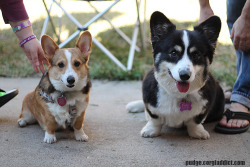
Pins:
x,y
240,99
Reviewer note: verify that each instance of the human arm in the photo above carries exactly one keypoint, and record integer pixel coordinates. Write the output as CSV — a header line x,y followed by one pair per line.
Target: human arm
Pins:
x,y
32,48
14,12
205,10
241,29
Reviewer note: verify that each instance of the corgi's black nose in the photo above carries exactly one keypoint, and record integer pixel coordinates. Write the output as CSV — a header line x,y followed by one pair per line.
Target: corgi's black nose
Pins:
x,y
71,79
184,75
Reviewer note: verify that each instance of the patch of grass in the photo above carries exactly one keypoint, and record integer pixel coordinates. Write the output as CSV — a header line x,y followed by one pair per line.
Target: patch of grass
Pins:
x,y
14,63
103,68
224,64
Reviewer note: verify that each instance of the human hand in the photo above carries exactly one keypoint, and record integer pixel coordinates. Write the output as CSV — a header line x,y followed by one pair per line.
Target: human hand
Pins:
x,y
240,34
32,49
35,54
205,10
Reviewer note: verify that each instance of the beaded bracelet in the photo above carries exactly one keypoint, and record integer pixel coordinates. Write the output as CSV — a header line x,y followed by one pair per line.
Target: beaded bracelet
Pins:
x,y
22,26
27,40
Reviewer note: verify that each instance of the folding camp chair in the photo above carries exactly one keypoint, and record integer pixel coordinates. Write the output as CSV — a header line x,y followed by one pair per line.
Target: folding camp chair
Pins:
x,y
80,27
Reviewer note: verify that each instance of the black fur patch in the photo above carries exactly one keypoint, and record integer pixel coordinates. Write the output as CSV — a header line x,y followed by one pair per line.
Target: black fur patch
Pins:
x,y
213,93
150,88
86,89
152,115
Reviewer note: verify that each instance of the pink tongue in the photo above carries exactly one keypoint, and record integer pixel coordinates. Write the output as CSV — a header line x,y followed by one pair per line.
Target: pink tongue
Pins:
x,y
182,86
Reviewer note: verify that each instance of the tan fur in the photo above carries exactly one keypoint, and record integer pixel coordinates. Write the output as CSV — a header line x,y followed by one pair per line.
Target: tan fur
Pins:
x,y
35,108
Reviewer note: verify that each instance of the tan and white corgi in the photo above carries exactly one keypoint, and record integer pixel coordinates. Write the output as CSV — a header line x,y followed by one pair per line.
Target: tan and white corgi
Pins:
x,y
62,96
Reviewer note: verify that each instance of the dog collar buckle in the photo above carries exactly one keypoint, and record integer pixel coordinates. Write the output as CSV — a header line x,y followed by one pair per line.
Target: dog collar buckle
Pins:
x,y
185,105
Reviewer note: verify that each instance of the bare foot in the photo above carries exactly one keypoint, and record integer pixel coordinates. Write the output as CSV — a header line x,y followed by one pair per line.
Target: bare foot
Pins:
x,y
235,123
228,95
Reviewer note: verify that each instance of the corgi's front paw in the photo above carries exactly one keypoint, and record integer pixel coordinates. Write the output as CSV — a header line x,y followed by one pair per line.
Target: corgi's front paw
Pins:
x,y
49,138
80,135
150,130
198,132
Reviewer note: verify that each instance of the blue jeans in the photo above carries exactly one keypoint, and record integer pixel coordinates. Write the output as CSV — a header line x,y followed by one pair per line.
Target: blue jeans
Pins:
x,y
241,89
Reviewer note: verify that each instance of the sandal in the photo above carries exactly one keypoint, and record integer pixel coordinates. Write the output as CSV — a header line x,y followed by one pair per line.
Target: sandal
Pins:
x,y
7,96
232,115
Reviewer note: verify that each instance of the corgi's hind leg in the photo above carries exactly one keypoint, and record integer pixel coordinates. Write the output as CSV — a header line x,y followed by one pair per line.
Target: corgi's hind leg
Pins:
x,y
25,118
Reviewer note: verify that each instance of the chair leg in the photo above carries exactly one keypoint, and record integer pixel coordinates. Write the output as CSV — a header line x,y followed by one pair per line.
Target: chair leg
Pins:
x,y
49,17
122,34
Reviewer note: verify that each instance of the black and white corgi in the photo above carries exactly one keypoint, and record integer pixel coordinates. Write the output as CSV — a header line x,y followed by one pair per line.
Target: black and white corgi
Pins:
x,y
179,89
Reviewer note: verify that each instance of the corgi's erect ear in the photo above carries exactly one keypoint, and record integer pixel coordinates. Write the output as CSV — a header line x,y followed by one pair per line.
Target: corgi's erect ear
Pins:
x,y
49,47
211,28
84,43
160,26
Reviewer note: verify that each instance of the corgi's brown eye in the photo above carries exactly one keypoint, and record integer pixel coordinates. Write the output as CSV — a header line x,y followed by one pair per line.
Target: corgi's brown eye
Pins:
x,y
196,55
173,53
60,65
77,64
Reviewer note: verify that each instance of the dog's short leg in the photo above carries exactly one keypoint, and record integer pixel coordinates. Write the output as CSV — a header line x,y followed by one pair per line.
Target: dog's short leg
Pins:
x,y
50,128
196,130
151,129
80,135
49,138
25,118
78,128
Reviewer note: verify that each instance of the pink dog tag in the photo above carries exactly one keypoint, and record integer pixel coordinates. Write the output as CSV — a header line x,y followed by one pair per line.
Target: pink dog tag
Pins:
x,y
61,101
185,106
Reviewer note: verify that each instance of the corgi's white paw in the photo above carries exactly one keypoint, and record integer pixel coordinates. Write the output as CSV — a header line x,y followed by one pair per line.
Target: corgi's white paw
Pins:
x,y
149,130
80,135
21,122
135,106
198,132
49,138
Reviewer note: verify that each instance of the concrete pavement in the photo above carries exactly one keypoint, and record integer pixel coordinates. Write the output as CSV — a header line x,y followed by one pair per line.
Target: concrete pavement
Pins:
x,y
114,138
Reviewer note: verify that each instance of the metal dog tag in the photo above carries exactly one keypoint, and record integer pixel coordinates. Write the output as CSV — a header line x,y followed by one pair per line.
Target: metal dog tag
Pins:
x,y
185,105
61,100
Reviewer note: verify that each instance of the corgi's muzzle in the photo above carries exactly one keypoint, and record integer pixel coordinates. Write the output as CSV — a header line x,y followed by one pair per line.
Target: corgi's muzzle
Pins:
x,y
183,85
184,75
70,81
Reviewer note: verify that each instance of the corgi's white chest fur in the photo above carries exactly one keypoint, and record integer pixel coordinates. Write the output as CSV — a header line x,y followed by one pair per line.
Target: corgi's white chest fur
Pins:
x,y
62,114
168,108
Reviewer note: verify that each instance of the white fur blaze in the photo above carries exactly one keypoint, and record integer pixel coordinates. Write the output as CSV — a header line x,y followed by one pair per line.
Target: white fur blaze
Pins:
x,y
135,106
184,63
69,71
